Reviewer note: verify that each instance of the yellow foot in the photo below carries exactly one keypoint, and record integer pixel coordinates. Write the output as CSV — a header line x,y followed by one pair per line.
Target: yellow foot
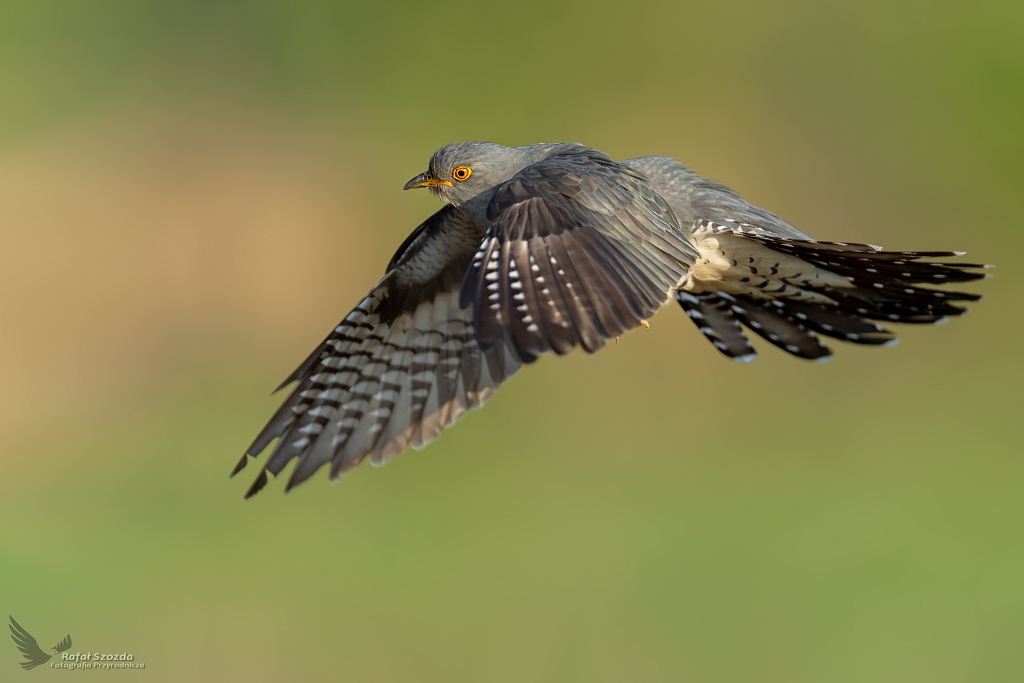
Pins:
x,y
616,340
646,324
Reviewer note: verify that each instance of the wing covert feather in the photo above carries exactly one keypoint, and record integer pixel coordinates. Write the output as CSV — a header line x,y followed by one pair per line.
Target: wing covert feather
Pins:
x,y
578,250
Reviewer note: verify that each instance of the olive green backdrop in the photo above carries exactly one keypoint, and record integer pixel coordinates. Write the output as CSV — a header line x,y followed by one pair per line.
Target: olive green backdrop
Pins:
x,y
193,193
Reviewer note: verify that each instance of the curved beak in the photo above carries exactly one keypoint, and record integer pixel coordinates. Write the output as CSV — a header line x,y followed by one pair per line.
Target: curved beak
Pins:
x,y
425,180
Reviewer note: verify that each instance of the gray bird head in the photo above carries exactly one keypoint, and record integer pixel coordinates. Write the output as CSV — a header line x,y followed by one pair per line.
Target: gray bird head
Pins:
x,y
463,170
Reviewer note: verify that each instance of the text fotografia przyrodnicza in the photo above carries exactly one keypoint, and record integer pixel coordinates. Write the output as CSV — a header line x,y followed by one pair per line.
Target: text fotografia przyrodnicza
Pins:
x,y
97,660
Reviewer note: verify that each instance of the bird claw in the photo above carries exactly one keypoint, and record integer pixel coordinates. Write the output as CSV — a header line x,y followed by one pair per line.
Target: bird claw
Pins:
x,y
646,324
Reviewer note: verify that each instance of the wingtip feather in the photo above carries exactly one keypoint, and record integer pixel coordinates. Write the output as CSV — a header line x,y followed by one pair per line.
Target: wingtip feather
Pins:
x,y
240,466
257,485
282,385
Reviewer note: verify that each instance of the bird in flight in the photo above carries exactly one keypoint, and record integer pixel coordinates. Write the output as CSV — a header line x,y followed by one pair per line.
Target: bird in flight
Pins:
x,y
34,656
543,248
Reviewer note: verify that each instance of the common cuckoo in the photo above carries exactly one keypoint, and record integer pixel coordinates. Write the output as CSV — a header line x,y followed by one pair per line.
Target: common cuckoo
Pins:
x,y
547,247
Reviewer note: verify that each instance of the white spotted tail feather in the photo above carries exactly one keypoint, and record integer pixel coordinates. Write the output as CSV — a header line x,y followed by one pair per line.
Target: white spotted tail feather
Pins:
x,y
714,316
791,291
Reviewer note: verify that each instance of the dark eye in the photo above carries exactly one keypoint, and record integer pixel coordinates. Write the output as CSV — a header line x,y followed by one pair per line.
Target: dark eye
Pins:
x,y
462,172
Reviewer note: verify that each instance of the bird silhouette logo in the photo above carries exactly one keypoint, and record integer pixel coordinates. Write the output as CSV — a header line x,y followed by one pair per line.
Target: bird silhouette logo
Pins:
x,y
28,646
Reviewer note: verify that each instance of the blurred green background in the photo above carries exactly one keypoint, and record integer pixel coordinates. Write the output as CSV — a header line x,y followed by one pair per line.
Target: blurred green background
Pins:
x,y
193,193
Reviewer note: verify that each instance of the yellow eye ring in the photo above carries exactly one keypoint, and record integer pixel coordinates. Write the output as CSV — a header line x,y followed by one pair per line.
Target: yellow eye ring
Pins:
x,y
462,173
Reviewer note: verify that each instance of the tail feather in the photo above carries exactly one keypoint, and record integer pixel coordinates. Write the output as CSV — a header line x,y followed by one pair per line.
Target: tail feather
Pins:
x,y
839,292
713,315
895,271
833,321
777,327
890,306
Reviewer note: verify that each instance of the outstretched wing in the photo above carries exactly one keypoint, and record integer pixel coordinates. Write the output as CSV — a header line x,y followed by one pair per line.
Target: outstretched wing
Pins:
x,y
63,645
579,250
28,646
402,366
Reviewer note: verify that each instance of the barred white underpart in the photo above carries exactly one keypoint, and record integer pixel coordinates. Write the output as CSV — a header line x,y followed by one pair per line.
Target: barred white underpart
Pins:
x,y
735,264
